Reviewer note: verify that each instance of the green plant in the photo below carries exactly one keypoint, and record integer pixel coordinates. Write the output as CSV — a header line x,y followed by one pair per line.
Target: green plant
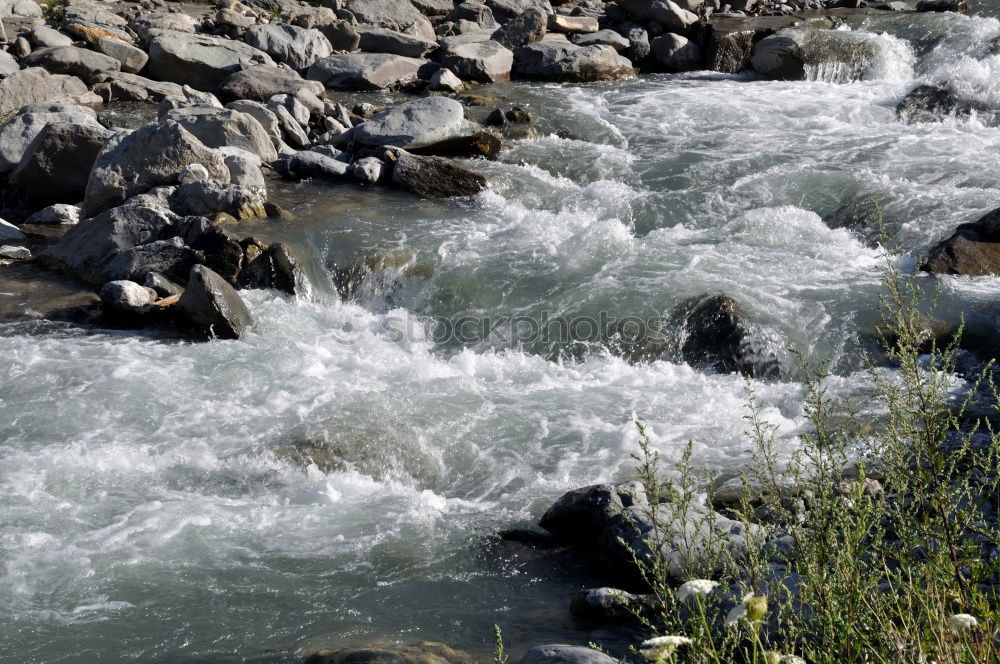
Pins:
x,y
499,652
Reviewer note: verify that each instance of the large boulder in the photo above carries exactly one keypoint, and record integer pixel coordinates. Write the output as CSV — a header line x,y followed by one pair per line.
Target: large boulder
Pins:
x,y
202,61
433,177
669,14
676,53
603,38
579,516
132,58
565,654
972,250
34,84
150,156
86,64
527,28
383,40
261,82
122,86
933,103
296,47
485,62
365,71
414,124
212,306
555,61
398,15
18,133
218,127
206,198
508,10
147,24
57,163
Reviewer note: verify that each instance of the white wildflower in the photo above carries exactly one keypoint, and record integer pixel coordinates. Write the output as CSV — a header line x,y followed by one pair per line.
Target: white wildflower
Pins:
x,y
695,587
791,659
662,647
962,621
754,605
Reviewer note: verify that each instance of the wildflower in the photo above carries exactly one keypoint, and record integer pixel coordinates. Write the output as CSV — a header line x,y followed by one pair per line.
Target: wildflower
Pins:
x,y
695,587
771,657
662,647
962,621
791,659
753,607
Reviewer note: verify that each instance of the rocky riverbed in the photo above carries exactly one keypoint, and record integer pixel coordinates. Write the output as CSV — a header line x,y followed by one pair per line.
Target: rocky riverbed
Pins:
x,y
303,303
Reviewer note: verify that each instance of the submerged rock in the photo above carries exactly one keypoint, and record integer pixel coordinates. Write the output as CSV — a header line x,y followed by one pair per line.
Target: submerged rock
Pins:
x,y
581,513
932,103
212,306
972,250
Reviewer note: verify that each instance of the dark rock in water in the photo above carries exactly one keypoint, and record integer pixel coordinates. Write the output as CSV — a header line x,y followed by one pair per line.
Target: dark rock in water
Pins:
x,y
170,256
212,306
34,84
580,515
972,250
477,144
348,278
860,215
638,39
729,41
433,177
676,53
216,249
417,653
605,605
529,538
270,267
942,6
57,163
564,654
931,103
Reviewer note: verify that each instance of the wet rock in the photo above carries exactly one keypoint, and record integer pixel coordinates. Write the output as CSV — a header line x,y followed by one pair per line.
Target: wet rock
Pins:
x,y
150,156
272,267
564,654
56,165
420,123
368,169
433,177
605,605
310,164
34,85
365,71
781,56
131,58
398,15
161,285
570,63
11,234
942,6
212,306
527,28
676,53
297,47
579,516
972,250
202,61
19,132
665,12
217,127
485,62
932,103
572,24
418,653
383,40
126,297
206,197
603,38
507,10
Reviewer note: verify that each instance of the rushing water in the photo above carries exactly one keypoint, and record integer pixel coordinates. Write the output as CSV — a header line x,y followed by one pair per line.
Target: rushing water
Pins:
x,y
150,508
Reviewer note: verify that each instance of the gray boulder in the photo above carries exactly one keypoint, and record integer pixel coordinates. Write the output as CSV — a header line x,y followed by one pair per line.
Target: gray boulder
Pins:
x,y
398,15
564,654
208,197
8,64
943,6
261,82
244,169
342,35
265,116
311,164
602,38
44,36
557,61
9,233
60,213
669,14
217,127
147,157
34,84
676,53
433,177
57,163
202,61
296,47
474,12
212,306
579,516
420,123
18,133
972,250
526,28
126,297
485,62
14,252
86,64
382,40
122,86
146,24
508,10
368,169
365,71
605,605
131,58
20,8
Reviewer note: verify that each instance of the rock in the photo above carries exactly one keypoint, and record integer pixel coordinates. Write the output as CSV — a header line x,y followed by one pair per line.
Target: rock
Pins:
x,y
244,169
579,516
444,80
56,165
8,64
665,12
212,306
232,22
217,127
605,605
192,173
507,10
398,15
570,63
60,213
14,253
972,250
18,133
572,24
202,61
292,45
476,12
291,128
419,123
33,85
147,157
638,42
383,40
433,177
342,35
131,58
274,267
9,233
265,116
527,28
44,36
163,286
485,62
365,71
780,56
307,164
563,654
942,6
261,82
20,8
932,103
418,653
126,297
603,38
146,24
206,197
368,169
123,86
86,64
433,7
786,54
676,53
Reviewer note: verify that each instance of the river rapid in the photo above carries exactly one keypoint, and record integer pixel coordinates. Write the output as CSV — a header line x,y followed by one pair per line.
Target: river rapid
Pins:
x,y
153,502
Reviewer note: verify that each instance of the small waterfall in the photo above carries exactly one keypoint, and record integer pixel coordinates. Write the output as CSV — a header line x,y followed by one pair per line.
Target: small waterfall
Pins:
x,y
843,56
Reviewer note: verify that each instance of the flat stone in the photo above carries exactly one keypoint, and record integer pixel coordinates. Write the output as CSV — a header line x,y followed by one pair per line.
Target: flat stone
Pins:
x,y
202,61
365,71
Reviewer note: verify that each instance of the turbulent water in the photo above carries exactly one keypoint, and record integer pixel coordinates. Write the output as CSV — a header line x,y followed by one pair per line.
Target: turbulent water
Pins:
x,y
152,505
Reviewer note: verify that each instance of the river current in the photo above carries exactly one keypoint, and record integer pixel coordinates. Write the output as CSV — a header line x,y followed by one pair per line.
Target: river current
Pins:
x,y
155,499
